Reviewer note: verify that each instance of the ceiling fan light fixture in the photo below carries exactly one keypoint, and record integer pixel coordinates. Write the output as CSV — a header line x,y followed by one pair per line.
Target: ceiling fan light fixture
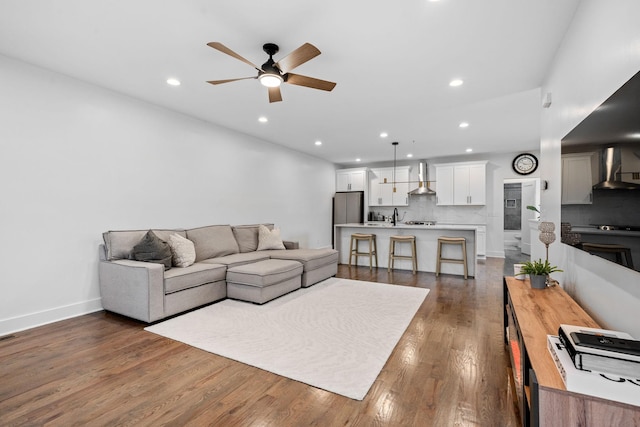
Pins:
x,y
270,80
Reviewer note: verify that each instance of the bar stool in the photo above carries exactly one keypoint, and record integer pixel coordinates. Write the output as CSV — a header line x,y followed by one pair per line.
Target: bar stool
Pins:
x,y
618,250
392,251
373,248
452,241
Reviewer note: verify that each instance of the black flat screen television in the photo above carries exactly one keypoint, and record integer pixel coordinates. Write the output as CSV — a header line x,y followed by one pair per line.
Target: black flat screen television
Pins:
x,y
601,179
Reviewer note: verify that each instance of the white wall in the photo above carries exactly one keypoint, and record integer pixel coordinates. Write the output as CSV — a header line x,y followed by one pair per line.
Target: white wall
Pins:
x,y
77,160
600,52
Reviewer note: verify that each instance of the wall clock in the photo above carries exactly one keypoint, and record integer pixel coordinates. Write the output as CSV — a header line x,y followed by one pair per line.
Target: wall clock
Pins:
x,y
525,164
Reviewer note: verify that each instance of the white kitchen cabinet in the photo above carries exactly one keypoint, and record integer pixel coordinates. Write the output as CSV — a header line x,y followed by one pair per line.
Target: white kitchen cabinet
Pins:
x,y
381,186
351,179
577,179
461,183
444,185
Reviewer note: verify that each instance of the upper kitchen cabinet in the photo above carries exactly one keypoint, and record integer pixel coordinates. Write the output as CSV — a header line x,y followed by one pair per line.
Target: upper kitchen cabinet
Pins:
x,y
444,185
381,186
351,179
577,179
461,183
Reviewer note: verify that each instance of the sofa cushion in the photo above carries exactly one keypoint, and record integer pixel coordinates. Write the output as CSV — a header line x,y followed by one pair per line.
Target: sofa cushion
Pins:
x,y
119,244
310,258
152,249
238,259
269,239
182,250
178,279
247,236
264,273
213,241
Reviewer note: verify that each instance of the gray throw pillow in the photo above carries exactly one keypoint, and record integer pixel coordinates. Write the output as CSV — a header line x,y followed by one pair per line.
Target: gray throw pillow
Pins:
x,y
152,249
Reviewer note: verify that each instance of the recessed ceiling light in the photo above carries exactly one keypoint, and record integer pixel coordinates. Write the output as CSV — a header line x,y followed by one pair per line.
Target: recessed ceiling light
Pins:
x,y
263,119
173,82
318,142
357,160
635,135
455,82
384,135
464,125
409,155
468,150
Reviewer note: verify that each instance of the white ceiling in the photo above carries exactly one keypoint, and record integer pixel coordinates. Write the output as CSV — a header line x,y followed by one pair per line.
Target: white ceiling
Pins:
x,y
392,62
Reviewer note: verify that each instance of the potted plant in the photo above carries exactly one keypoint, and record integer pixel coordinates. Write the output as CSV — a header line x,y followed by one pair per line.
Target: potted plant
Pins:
x,y
538,272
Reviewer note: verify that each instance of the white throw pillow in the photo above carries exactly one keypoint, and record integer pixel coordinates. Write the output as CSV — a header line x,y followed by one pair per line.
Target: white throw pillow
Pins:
x,y
269,239
183,250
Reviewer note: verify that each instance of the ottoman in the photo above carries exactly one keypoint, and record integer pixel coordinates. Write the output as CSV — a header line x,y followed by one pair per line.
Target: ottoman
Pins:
x,y
262,281
318,264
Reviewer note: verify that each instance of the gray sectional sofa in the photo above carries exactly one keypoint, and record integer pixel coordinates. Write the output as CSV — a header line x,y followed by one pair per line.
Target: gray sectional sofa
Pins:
x,y
227,263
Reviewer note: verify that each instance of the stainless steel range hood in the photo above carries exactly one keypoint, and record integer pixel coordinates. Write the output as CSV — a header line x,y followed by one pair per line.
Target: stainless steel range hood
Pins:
x,y
424,183
611,169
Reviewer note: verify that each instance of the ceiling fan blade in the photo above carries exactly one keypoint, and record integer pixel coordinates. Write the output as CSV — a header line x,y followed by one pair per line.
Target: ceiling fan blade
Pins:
x,y
218,82
297,79
274,94
298,57
222,48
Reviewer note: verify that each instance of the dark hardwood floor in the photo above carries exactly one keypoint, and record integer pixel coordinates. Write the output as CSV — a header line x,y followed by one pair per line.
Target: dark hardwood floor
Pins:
x,y
449,369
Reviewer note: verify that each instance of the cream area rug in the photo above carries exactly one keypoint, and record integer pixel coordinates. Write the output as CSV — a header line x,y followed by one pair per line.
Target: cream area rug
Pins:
x,y
336,335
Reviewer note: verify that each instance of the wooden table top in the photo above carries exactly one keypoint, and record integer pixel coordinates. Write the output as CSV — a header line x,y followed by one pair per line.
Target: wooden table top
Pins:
x,y
539,313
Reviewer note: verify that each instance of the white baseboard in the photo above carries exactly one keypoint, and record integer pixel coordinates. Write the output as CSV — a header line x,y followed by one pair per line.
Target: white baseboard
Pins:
x,y
32,320
495,254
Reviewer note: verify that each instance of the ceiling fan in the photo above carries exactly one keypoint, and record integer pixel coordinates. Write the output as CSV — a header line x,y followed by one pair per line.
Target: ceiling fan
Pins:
x,y
272,74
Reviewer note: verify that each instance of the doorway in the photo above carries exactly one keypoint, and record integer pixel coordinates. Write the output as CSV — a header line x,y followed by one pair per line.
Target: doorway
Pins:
x,y
518,194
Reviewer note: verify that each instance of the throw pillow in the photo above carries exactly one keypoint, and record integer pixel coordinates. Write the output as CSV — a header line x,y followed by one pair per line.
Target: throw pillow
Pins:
x,y
152,249
183,250
213,241
269,239
247,237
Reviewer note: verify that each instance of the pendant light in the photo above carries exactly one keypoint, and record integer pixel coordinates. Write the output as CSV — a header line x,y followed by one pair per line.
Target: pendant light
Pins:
x,y
395,149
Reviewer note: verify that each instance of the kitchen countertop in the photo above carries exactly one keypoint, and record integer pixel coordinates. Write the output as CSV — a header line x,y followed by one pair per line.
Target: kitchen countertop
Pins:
x,y
594,230
437,226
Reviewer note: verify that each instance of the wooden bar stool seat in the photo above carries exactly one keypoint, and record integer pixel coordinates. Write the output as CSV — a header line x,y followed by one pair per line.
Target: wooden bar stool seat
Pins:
x,y
617,250
462,242
392,251
372,252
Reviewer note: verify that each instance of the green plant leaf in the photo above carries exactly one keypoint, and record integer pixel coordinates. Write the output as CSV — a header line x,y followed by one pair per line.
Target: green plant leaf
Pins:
x,y
539,267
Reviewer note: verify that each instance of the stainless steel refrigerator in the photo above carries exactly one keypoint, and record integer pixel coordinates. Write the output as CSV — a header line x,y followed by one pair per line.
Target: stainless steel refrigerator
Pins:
x,y
348,207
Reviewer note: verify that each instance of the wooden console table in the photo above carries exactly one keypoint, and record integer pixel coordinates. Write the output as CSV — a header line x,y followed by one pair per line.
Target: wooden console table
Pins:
x,y
529,316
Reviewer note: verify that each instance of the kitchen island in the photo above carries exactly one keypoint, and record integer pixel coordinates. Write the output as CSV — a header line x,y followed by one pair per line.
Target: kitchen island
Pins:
x,y
426,243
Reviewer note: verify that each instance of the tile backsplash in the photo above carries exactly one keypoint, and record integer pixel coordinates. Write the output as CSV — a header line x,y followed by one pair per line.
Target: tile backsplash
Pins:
x,y
613,207
424,208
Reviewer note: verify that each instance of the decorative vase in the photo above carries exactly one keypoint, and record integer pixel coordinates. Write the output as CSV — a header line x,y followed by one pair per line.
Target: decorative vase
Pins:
x,y
538,281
